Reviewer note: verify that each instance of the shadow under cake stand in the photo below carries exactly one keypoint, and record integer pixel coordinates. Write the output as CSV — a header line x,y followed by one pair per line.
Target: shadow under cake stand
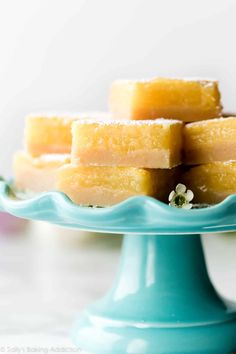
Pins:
x,y
162,300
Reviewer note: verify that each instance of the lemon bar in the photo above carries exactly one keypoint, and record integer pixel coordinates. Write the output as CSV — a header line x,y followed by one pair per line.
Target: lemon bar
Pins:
x,y
51,133
147,144
185,99
212,182
210,141
108,185
37,174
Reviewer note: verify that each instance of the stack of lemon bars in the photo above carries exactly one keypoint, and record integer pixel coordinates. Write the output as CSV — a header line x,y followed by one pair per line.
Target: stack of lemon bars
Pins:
x,y
158,133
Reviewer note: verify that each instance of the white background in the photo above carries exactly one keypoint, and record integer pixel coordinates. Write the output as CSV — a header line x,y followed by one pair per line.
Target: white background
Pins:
x,y
63,54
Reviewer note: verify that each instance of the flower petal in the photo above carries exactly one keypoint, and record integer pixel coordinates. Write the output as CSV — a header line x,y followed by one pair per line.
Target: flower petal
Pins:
x,y
180,188
171,195
187,206
172,203
189,195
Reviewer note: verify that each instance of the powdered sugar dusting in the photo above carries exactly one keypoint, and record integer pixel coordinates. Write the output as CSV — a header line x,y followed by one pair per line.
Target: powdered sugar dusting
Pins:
x,y
54,158
209,121
159,121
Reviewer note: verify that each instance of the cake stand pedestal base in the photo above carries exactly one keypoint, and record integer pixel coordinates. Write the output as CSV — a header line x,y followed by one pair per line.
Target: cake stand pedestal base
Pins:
x,y
162,301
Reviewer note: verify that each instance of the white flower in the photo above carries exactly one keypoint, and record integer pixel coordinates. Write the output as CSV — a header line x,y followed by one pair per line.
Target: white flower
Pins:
x,y
181,197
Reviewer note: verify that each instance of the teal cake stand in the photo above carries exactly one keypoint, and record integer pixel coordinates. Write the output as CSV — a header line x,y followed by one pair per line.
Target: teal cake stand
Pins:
x,y
162,301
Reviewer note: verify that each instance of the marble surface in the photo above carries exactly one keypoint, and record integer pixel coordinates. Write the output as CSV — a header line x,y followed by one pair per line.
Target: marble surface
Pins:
x,y
49,275
45,281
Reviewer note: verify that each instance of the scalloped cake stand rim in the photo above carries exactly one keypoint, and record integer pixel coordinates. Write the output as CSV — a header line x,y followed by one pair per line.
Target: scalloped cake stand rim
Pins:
x,y
135,215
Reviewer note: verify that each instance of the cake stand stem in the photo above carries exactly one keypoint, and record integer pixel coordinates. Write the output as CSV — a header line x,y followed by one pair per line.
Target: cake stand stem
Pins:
x,y
162,301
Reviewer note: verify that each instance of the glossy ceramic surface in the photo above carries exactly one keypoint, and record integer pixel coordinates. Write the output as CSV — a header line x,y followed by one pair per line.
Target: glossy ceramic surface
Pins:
x,y
162,300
